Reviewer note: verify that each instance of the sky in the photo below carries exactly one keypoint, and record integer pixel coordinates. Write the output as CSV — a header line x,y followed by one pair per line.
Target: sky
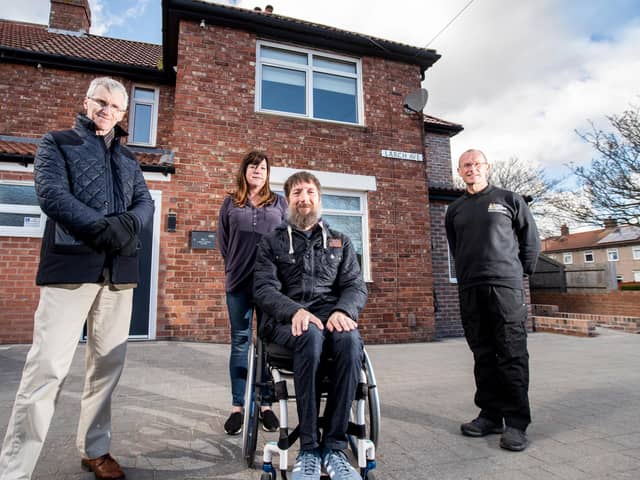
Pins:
x,y
520,76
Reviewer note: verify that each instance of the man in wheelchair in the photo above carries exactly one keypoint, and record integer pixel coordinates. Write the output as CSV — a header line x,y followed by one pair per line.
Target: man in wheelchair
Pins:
x,y
308,284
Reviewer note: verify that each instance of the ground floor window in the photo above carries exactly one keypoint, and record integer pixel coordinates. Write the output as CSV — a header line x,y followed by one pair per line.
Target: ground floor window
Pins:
x,y
20,214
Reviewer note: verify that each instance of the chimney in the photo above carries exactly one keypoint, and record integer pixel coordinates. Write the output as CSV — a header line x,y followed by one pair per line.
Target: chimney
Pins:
x,y
564,230
70,15
610,223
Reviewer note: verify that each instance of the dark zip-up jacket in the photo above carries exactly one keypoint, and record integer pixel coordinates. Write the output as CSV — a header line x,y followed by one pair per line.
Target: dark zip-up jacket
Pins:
x,y
493,238
79,181
239,232
319,273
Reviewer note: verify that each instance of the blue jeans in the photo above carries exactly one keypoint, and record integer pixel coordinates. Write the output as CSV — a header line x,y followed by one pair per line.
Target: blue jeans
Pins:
x,y
240,306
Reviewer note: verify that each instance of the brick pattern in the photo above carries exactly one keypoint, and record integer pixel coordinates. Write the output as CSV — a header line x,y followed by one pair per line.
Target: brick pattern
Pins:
x,y
622,303
579,327
616,322
72,15
215,123
438,149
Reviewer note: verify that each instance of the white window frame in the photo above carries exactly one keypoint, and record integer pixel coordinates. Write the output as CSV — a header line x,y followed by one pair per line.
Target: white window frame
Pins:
x,y
636,252
567,258
35,232
153,128
611,252
636,275
619,278
334,184
593,257
309,69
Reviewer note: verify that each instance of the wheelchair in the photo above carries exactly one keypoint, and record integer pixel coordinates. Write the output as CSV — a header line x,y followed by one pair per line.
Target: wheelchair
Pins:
x,y
364,425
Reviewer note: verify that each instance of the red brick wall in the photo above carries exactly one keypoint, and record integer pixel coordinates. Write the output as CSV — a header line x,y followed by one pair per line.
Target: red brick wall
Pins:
x,y
625,303
36,101
209,121
215,124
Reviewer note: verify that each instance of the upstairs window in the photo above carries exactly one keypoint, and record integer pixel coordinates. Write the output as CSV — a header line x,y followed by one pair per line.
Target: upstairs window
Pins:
x,y
612,254
636,252
567,258
309,84
143,116
588,256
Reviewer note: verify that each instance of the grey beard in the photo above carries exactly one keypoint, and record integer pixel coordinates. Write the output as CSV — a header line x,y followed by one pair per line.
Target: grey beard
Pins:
x,y
302,221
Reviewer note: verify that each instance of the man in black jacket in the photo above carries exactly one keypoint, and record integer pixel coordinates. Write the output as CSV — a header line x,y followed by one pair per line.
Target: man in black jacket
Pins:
x,y
308,284
96,201
494,241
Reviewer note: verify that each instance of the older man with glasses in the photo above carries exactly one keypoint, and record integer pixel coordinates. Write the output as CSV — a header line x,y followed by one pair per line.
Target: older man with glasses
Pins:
x,y
96,201
494,241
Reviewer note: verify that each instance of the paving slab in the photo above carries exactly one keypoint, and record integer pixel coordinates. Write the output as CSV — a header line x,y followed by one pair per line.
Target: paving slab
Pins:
x,y
174,397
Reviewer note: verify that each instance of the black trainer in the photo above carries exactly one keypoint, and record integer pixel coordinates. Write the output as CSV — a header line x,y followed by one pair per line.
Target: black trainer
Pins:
x,y
269,421
233,425
514,439
479,427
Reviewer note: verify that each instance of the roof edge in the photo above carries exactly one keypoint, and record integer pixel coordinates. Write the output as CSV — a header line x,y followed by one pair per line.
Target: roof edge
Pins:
x,y
65,62
279,27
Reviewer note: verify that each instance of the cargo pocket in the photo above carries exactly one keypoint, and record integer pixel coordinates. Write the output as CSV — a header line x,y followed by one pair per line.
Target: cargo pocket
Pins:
x,y
513,311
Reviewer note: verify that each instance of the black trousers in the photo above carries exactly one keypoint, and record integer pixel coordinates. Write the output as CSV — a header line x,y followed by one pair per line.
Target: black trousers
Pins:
x,y
345,348
494,322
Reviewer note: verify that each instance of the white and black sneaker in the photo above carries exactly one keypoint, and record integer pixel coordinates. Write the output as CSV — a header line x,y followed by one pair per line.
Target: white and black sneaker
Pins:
x,y
307,466
337,465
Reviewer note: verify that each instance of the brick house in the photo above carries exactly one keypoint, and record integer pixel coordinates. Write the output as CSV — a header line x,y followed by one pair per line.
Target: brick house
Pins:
x,y
617,245
227,80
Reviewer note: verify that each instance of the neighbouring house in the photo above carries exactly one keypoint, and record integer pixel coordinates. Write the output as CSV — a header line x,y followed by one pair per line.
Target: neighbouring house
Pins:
x,y
224,81
616,245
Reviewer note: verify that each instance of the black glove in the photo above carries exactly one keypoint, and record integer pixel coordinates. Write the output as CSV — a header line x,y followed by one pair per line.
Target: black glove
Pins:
x,y
131,248
119,232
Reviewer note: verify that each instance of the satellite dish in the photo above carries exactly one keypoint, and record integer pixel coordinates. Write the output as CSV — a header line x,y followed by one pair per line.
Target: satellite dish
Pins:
x,y
416,100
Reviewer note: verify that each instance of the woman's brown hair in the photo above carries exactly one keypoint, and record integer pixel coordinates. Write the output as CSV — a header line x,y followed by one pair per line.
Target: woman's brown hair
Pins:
x,y
241,194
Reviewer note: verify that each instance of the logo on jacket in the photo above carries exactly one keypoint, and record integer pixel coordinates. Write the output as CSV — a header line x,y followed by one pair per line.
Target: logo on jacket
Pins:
x,y
335,242
498,208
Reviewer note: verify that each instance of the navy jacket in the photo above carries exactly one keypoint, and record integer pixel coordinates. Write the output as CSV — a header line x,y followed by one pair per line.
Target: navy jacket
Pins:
x,y
322,275
493,238
78,182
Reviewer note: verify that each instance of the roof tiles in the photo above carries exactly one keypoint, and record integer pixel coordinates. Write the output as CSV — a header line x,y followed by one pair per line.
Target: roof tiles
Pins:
x,y
38,38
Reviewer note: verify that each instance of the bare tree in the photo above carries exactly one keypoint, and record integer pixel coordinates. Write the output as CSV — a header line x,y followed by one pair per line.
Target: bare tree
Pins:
x,y
611,184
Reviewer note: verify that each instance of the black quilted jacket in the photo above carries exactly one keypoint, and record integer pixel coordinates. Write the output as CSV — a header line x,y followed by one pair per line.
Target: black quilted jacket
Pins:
x,y
320,274
78,182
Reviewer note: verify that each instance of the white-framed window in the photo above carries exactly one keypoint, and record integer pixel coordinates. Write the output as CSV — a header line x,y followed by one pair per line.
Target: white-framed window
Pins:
x,y
636,252
567,258
143,115
308,83
588,256
20,214
344,207
619,278
612,254
636,275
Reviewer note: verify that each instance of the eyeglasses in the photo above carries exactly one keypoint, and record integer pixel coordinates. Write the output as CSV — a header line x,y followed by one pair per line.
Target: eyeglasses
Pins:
x,y
104,105
476,165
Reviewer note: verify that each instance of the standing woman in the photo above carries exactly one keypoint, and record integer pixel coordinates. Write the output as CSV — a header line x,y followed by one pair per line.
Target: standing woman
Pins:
x,y
249,212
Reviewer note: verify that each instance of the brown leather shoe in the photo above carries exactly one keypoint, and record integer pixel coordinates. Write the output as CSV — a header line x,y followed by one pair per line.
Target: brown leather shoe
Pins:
x,y
104,467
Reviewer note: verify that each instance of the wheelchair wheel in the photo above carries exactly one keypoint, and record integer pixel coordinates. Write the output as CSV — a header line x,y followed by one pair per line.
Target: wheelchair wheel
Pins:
x,y
373,400
372,410
268,476
251,409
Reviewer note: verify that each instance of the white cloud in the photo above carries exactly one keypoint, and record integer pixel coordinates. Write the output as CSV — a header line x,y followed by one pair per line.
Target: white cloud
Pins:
x,y
521,77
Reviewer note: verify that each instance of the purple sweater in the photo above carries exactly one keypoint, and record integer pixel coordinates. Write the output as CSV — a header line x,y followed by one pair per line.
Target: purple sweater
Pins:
x,y
239,232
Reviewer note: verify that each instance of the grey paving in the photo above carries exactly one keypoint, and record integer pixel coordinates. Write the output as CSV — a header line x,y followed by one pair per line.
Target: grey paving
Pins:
x,y
174,397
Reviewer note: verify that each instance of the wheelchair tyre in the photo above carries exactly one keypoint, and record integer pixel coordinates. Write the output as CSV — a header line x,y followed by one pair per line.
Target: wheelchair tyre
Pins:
x,y
373,402
268,476
251,408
